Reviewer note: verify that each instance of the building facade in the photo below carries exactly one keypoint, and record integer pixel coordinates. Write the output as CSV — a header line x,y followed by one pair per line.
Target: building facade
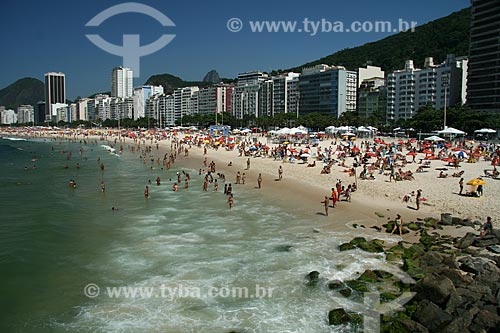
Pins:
x,y
326,89
25,114
372,97
247,99
410,89
55,92
483,89
122,82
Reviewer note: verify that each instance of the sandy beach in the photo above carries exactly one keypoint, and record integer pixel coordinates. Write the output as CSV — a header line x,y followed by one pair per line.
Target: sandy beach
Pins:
x,y
303,188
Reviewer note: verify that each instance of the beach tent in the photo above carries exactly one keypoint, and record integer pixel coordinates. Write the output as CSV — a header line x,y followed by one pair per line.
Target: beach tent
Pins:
x,y
451,131
434,138
297,131
485,131
284,131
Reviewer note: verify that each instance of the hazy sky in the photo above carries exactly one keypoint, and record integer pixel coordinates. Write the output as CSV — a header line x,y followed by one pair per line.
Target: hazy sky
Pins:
x,y
42,36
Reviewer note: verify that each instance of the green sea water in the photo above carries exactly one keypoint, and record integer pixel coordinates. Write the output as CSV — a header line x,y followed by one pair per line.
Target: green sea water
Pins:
x,y
56,240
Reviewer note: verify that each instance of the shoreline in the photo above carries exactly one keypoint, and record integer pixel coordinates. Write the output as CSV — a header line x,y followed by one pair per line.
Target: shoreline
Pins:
x,y
300,191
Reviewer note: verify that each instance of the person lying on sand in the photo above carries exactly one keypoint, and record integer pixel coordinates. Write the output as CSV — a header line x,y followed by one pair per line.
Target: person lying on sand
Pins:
x,y
442,174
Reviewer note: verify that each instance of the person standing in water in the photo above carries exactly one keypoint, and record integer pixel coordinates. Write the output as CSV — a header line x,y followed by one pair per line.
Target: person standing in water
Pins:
x,y
325,203
103,186
146,192
230,201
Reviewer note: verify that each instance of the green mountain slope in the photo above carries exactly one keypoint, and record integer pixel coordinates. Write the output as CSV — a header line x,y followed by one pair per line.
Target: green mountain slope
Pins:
x,y
24,91
447,35
172,82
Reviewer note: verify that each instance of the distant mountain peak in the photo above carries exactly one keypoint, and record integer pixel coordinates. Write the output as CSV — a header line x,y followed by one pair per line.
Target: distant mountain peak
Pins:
x,y
212,77
27,90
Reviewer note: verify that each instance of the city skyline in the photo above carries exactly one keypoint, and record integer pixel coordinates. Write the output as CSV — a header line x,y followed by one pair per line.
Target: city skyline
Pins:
x,y
203,41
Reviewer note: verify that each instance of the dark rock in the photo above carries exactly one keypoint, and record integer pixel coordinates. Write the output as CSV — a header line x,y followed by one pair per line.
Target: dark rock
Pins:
x,y
372,246
456,276
462,322
412,267
283,248
446,219
466,241
369,276
413,226
467,223
358,286
494,248
346,247
313,278
435,288
473,252
376,227
480,266
338,317
334,285
456,220
358,240
346,292
431,316
409,325
486,241
486,321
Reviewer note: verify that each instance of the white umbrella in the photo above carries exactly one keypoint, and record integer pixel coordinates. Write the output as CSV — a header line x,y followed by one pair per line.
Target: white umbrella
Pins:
x,y
485,131
434,138
305,155
451,131
284,131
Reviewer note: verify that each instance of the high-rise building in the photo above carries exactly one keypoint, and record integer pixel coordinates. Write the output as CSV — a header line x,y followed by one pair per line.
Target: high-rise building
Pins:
x,y
483,86
249,97
25,114
411,88
285,93
215,99
141,95
55,92
122,82
372,97
326,89
40,112
368,73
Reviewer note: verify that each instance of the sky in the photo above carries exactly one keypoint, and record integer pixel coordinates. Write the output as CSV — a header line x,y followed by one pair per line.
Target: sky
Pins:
x,y
44,36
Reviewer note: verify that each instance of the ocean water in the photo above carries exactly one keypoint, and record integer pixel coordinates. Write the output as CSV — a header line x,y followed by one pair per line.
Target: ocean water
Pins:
x,y
185,254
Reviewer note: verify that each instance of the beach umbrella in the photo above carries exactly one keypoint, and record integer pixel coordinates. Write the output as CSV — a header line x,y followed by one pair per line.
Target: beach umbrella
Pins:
x,y
371,154
456,149
434,138
306,155
427,152
355,149
462,154
476,182
412,153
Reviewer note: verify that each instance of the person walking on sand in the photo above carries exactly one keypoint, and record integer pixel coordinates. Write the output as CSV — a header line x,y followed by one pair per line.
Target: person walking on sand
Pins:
x,y
230,201
243,177
238,177
461,184
417,199
280,173
398,224
259,180
248,163
325,203
334,197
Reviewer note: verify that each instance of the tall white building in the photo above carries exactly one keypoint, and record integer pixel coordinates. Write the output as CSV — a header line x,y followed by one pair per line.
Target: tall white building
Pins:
x,y
368,73
215,99
410,89
248,98
141,95
122,82
82,109
8,117
25,114
285,93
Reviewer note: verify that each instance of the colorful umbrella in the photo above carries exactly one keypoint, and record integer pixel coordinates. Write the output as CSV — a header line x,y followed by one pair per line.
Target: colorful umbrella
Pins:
x,y
476,182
